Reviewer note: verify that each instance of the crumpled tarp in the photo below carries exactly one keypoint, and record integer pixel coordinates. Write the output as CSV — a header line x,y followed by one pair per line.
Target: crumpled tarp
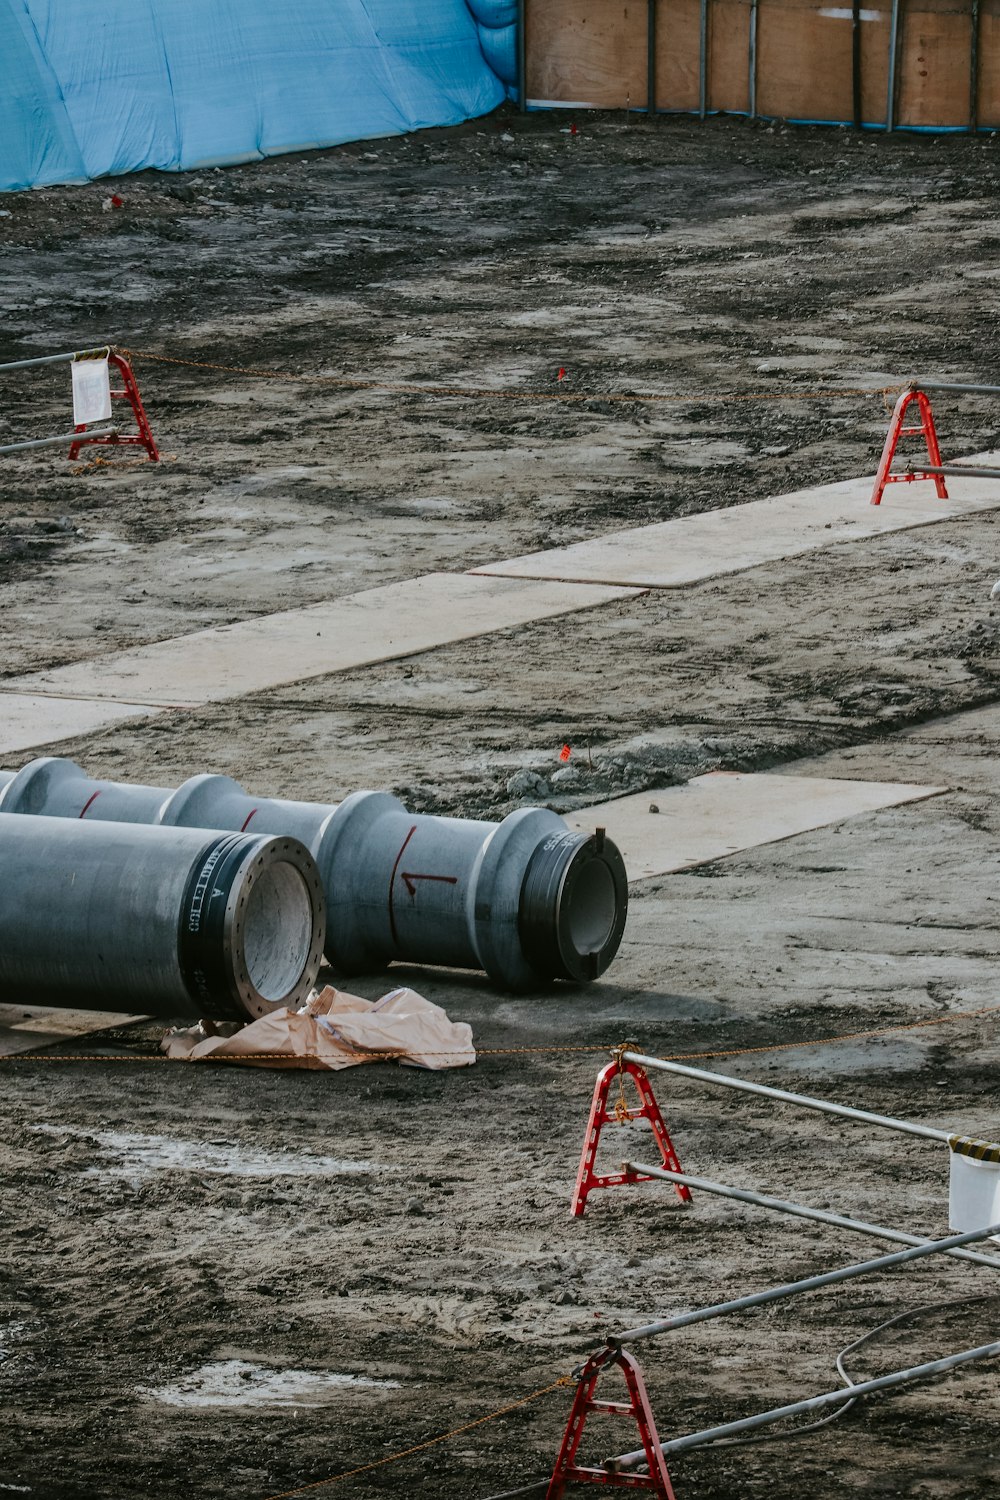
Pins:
x,y
93,87
336,1030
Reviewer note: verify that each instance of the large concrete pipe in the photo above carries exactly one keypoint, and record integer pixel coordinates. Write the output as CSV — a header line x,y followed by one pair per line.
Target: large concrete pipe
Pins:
x,y
166,921
528,900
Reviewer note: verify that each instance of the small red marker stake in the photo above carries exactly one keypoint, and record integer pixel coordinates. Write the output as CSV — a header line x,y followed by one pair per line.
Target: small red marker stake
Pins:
x,y
562,373
565,753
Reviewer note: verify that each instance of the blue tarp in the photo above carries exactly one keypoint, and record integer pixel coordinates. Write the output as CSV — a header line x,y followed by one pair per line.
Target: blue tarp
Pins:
x,y
92,87
497,22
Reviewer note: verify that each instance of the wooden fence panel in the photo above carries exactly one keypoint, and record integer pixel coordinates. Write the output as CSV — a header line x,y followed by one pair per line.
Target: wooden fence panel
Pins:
x,y
804,60
729,55
589,52
593,53
934,72
989,65
677,27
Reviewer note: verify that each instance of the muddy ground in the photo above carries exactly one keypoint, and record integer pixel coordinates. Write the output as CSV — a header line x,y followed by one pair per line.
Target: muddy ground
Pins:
x,y
169,1234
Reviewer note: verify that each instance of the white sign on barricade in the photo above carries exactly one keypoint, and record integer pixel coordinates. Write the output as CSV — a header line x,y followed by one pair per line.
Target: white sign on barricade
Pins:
x,y
91,391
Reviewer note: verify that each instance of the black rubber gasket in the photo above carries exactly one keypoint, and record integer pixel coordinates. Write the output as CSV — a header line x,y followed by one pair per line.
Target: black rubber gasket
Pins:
x,y
546,902
205,964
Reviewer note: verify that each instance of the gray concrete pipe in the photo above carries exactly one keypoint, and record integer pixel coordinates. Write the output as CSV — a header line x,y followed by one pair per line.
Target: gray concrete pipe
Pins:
x,y
164,921
528,900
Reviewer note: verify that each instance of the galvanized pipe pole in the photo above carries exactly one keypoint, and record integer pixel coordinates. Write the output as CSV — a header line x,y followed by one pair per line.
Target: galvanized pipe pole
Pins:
x,y
522,56
56,359
651,57
801,1211
812,1403
752,61
528,899
160,921
964,387
969,470
703,60
67,439
797,1288
856,104
724,1080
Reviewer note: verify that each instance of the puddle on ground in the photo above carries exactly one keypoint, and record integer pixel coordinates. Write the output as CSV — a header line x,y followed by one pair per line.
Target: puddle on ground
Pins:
x,y
142,1155
236,1382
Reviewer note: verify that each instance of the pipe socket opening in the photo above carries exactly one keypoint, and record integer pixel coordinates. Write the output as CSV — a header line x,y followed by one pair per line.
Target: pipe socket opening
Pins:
x,y
253,927
574,901
275,930
593,908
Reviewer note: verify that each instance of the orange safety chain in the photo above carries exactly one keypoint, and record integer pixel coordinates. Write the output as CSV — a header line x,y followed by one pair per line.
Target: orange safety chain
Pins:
x,y
828,1041
571,1379
442,1437
563,1380
486,393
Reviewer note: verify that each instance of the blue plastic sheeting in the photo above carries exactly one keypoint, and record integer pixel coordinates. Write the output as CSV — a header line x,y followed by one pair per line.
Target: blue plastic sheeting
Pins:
x,y
37,143
93,87
500,51
497,22
494,12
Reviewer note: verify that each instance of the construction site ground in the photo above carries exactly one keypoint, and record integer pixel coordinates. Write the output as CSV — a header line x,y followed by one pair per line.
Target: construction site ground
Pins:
x,y
172,1234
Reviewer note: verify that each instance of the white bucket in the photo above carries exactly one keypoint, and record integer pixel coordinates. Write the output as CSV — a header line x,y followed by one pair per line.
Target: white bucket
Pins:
x,y
973,1194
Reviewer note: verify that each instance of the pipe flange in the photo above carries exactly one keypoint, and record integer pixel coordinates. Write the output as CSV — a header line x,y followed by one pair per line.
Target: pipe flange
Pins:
x,y
29,789
196,801
574,905
252,926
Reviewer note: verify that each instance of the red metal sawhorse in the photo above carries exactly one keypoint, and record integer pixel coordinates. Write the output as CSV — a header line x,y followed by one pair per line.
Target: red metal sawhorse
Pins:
x,y
568,1471
586,1178
926,430
130,393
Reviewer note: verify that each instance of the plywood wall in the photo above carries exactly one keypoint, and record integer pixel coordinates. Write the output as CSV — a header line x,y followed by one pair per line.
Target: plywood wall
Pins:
x,y
677,54
595,53
935,77
590,52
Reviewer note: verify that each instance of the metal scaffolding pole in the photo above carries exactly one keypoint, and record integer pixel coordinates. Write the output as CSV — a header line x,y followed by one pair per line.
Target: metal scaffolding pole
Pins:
x,y
57,359
752,60
812,1403
797,1288
724,1080
801,1211
70,437
969,470
967,387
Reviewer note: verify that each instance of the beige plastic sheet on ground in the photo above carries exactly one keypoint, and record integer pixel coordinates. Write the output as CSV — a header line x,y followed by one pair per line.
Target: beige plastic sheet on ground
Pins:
x,y
336,1030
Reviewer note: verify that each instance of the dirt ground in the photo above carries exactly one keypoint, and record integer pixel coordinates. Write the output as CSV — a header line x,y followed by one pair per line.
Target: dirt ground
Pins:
x,y
170,1235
